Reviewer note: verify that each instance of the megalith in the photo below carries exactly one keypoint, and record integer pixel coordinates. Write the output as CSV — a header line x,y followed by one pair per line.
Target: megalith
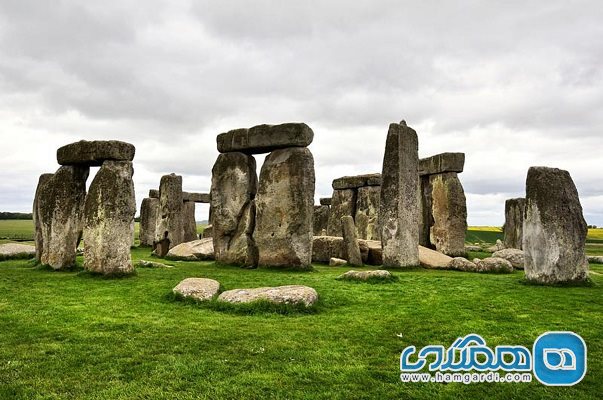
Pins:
x,y
321,219
343,203
37,217
149,210
169,231
367,213
350,241
399,208
189,223
513,228
449,213
554,229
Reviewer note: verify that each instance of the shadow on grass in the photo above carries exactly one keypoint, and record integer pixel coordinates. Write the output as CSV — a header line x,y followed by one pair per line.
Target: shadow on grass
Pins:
x,y
97,275
587,283
373,280
47,268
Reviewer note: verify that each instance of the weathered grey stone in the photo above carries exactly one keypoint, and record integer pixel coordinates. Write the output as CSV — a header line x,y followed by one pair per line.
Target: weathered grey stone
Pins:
x,y
11,251
350,241
208,231
201,289
149,211
293,294
367,213
399,208
442,163
426,212
109,211
169,228
285,209
325,201
513,229
343,203
265,138
196,197
375,252
357,181
493,265
326,247
197,250
189,223
321,219
514,256
38,224
366,275
449,210
473,248
61,211
337,262
233,189
433,259
154,193
94,153
554,229
497,247
462,264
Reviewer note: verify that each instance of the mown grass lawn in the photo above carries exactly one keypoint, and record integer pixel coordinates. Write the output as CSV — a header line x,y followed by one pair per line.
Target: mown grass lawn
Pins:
x,y
69,335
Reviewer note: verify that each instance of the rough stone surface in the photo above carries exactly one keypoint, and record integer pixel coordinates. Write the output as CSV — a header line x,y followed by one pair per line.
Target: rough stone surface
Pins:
x,y
494,265
325,201
357,181
343,203
426,213
554,229
449,210
189,223
61,212
433,259
473,248
366,275
169,222
154,193
208,231
293,294
326,247
37,216
513,229
337,262
514,256
497,247
149,210
233,189
201,289
94,153
321,219
285,209
442,163
350,241
265,138
196,250
462,264
10,251
399,203
367,213
108,215
196,197
375,252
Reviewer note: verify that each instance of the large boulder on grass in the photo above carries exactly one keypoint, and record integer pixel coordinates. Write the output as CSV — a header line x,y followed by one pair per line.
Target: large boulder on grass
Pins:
x,y
462,264
433,259
493,265
200,289
514,256
10,251
293,294
197,250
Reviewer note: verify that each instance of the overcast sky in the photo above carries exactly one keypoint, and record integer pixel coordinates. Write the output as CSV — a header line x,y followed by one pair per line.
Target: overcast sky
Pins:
x,y
511,83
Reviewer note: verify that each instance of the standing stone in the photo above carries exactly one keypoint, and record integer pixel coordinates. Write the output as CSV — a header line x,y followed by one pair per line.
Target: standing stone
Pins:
x,y
367,213
285,209
554,229
399,204
343,203
449,208
189,223
233,189
60,210
169,222
321,219
149,210
426,214
513,229
109,212
350,241
37,217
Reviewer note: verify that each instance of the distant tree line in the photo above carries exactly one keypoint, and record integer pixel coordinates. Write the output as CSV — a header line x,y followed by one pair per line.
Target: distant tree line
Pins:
x,y
15,215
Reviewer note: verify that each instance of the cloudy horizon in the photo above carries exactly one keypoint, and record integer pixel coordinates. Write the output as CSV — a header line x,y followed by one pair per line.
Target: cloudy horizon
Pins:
x,y
510,84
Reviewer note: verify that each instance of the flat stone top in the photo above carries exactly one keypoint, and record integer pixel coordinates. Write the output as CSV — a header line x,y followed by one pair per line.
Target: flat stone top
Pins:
x,y
358,181
94,153
325,201
441,163
265,138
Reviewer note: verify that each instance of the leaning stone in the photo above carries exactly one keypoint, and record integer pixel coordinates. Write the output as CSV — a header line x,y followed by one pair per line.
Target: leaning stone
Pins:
x,y
321,219
294,294
196,197
189,223
514,256
462,264
200,289
554,229
37,217
367,213
343,203
442,163
364,276
325,201
149,211
433,259
513,228
12,251
449,211
350,241
493,265
265,138
169,222
337,262
285,209
197,250
108,215
357,181
94,153
595,259
399,204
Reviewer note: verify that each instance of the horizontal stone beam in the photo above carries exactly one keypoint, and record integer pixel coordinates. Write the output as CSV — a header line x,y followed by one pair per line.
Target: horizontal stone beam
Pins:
x,y
358,181
441,163
94,153
265,138
186,196
325,201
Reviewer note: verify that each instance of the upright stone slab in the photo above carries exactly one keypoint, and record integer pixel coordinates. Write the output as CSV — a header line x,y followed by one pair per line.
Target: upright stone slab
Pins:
x,y
233,189
426,213
399,204
149,210
37,216
169,222
61,209
109,212
350,241
449,208
554,229
513,229
367,213
343,203
321,219
189,223
285,209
